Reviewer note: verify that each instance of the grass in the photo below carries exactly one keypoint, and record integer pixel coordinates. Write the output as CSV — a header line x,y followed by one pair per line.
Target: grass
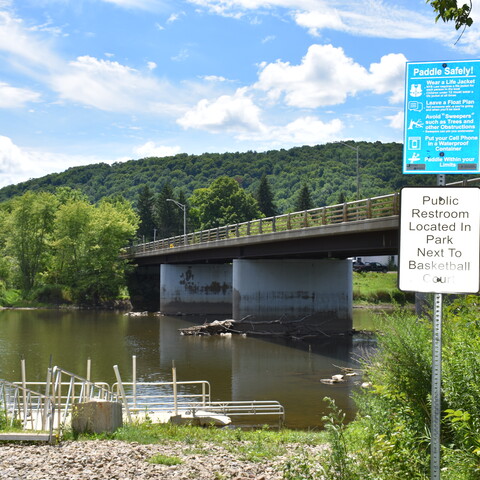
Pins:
x,y
251,445
377,288
164,460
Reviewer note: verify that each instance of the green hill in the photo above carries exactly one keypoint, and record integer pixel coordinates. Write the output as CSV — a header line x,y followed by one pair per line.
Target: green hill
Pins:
x,y
329,171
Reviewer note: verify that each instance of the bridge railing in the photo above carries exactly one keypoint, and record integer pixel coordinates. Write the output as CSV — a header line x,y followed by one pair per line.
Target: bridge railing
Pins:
x,y
376,207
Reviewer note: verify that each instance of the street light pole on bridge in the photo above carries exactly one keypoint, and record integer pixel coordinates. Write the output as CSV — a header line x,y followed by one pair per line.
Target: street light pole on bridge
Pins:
x,y
184,208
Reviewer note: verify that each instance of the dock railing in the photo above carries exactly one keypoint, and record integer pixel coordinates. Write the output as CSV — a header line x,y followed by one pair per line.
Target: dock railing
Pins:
x,y
69,388
163,396
194,396
24,408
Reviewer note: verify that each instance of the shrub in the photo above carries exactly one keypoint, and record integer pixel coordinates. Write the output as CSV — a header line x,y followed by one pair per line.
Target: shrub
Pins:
x,y
390,437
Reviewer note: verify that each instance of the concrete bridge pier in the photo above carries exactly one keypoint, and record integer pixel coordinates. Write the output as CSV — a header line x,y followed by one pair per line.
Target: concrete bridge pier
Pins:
x,y
196,289
305,296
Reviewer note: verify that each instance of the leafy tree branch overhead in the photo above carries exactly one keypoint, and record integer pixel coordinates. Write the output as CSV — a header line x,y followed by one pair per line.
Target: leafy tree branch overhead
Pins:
x,y
450,11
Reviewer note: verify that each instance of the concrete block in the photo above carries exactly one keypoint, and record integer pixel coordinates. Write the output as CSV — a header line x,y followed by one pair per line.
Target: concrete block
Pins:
x,y
96,416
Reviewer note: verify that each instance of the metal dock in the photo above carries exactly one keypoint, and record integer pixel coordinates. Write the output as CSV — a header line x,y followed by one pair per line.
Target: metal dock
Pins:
x,y
40,411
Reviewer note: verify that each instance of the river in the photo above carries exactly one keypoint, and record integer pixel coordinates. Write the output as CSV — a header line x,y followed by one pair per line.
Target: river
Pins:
x,y
237,368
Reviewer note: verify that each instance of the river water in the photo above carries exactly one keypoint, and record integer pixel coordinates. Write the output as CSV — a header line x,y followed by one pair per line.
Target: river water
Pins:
x,y
237,368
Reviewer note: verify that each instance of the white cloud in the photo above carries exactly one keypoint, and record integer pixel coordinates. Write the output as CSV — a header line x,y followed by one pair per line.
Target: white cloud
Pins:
x,y
326,76
19,164
214,78
151,66
396,121
389,76
150,149
13,97
107,85
18,41
315,20
228,113
371,18
269,38
174,17
150,5
308,130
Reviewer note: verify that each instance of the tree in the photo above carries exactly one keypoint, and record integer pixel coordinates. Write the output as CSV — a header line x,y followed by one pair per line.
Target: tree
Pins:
x,y
166,213
264,198
448,10
71,232
113,224
304,199
87,243
29,226
145,207
223,203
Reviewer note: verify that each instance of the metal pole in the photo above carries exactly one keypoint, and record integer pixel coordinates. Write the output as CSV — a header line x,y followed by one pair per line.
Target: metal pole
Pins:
x,y
185,241
184,208
89,376
175,399
134,380
122,392
436,411
436,388
24,388
358,176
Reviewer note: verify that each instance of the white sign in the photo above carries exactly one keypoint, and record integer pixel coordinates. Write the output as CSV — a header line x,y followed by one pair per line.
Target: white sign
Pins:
x,y
440,240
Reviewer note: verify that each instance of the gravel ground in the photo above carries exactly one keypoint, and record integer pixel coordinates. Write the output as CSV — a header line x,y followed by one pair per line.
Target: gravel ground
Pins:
x,y
116,460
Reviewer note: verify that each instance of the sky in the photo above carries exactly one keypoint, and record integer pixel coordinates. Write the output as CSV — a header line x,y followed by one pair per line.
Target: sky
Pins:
x,y
90,81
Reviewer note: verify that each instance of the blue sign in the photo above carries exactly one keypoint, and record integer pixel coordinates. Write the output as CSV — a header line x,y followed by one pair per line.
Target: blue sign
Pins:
x,y
442,119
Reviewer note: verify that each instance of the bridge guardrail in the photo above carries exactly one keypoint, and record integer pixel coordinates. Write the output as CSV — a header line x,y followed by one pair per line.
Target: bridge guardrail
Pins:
x,y
376,207
366,209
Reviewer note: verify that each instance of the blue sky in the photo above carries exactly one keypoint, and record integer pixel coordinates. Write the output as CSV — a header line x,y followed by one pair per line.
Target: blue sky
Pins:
x,y
88,81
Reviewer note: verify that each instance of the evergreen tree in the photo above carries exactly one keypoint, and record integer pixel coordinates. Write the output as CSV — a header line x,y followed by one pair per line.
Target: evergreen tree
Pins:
x,y
145,204
166,214
304,199
264,198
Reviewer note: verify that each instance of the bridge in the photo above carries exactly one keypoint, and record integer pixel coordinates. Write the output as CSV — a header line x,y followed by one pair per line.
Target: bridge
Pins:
x,y
288,268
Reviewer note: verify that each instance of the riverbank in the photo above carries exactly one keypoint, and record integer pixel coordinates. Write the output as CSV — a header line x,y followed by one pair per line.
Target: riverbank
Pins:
x,y
201,454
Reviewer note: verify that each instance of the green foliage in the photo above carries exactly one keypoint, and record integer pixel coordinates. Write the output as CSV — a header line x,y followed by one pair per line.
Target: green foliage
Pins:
x,y
145,210
27,229
168,217
329,168
373,287
160,459
304,199
62,248
149,432
448,10
223,203
264,197
390,437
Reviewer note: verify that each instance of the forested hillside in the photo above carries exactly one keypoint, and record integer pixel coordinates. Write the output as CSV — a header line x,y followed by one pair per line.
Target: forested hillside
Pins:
x,y
328,170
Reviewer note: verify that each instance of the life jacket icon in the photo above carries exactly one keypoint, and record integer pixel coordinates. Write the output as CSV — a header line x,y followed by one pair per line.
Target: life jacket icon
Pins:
x,y
416,90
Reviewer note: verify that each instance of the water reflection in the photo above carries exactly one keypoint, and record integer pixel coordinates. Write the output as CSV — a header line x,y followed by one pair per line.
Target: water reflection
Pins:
x,y
237,368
